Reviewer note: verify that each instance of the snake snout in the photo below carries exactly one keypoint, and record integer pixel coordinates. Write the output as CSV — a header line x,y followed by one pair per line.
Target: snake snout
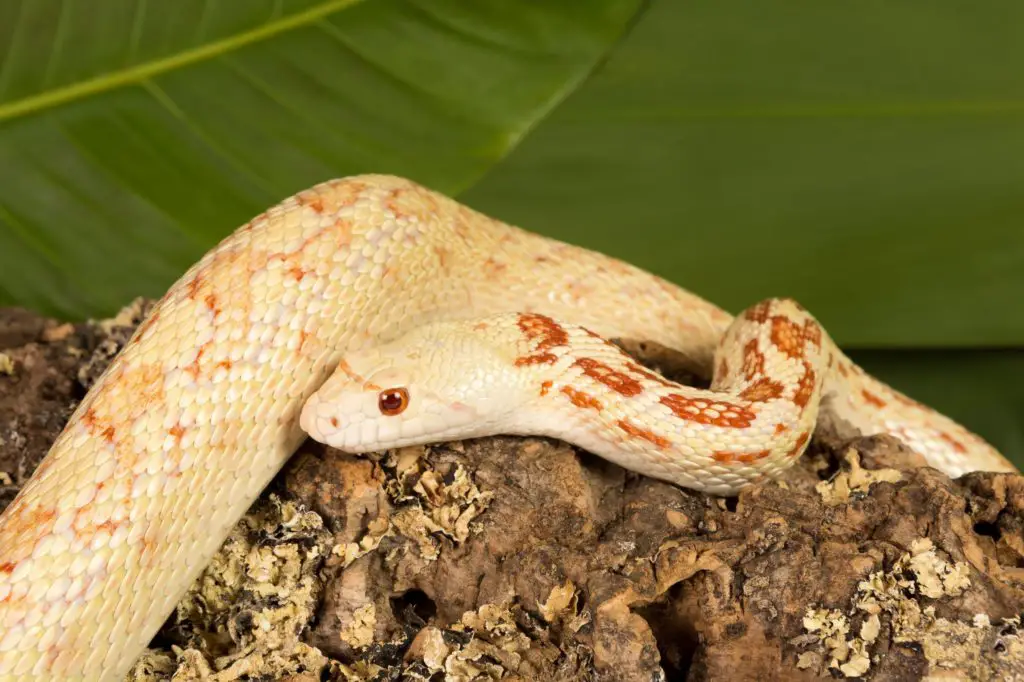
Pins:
x,y
319,419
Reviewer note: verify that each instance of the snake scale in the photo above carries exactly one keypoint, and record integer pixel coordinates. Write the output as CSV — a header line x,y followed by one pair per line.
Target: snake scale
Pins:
x,y
411,318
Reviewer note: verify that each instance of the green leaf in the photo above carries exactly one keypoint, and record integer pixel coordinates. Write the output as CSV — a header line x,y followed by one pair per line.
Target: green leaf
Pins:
x,y
864,157
134,134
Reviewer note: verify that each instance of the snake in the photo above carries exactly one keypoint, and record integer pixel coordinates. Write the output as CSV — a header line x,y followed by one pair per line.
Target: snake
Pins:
x,y
371,312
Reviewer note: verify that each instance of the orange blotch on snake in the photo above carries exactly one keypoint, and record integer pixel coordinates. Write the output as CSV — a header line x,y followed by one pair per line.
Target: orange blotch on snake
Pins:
x,y
953,442
812,332
546,332
806,386
442,256
582,399
872,399
545,387
759,312
109,526
613,379
753,360
344,229
542,329
211,304
89,419
726,415
799,445
539,359
98,426
318,237
177,431
789,337
332,197
412,202
725,457
36,520
193,286
749,457
781,428
144,382
311,200
87,530
636,431
493,267
194,368
149,322
762,390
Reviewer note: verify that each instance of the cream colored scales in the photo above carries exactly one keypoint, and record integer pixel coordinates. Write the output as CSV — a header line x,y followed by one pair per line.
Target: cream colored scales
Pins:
x,y
202,407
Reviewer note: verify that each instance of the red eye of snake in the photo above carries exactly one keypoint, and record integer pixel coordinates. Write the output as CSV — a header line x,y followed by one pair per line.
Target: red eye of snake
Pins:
x,y
393,401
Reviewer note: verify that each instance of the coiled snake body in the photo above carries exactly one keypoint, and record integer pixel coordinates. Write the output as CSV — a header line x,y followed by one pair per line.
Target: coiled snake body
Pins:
x,y
202,407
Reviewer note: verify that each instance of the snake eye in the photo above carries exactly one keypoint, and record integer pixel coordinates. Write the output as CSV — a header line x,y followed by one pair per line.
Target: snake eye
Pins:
x,y
393,401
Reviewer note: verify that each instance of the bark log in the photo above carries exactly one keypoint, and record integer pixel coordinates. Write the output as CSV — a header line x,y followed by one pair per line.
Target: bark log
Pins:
x,y
525,559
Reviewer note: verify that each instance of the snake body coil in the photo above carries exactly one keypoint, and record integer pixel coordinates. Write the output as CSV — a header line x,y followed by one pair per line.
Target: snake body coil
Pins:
x,y
201,408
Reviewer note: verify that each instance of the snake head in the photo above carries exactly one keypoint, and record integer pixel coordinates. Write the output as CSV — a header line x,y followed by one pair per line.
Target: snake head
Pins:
x,y
440,382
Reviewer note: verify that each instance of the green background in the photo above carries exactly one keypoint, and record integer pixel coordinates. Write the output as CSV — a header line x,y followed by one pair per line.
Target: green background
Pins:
x,y
866,158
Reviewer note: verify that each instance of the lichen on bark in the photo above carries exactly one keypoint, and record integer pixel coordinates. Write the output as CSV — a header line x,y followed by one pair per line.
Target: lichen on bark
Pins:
x,y
525,559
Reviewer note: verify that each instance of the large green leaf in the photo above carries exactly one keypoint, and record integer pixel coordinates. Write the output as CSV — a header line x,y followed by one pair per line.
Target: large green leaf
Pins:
x,y
865,157
135,134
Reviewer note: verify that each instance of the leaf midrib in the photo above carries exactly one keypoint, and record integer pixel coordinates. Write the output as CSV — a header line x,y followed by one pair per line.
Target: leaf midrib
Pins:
x,y
144,71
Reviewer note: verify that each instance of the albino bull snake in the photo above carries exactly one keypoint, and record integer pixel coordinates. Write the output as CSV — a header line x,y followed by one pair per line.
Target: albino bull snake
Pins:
x,y
202,407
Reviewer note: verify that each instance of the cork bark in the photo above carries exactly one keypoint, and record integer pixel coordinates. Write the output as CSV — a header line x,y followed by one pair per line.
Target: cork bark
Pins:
x,y
526,559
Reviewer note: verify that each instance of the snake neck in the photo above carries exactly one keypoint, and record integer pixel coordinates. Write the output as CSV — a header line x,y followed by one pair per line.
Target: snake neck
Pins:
x,y
610,297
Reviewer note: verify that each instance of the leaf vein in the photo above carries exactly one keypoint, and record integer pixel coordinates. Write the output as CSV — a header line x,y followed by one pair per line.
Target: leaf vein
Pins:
x,y
333,32
167,102
136,34
148,70
60,36
5,64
